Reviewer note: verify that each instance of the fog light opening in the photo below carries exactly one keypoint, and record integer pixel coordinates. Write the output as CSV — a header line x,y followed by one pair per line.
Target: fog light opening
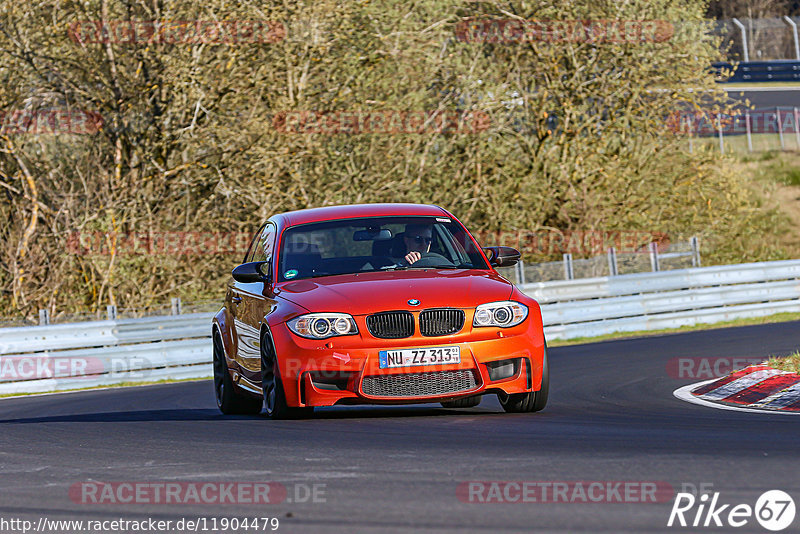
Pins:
x,y
330,380
503,369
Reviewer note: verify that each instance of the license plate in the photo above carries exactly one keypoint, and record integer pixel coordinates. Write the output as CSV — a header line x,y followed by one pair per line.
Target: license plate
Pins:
x,y
415,357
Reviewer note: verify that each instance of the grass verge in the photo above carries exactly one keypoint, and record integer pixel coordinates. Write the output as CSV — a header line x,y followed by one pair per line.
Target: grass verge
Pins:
x,y
789,363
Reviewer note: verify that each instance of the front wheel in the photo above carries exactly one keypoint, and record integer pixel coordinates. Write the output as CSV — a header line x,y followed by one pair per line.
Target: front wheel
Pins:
x,y
535,401
275,404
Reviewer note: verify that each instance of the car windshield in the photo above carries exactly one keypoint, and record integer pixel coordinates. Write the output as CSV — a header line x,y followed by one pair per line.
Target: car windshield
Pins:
x,y
375,244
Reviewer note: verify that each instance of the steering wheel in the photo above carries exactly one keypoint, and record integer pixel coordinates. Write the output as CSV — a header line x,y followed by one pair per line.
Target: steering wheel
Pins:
x,y
431,259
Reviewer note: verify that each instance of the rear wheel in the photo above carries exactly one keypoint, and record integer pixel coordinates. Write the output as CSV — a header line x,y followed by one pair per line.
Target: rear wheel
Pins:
x,y
229,401
274,396
466,402
534,401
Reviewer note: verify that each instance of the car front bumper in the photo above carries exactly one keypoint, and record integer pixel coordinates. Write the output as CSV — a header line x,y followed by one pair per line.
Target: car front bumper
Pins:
x,y
346,370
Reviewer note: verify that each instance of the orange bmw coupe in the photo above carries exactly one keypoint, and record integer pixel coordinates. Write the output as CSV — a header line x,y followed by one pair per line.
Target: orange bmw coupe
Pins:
x,y
374,304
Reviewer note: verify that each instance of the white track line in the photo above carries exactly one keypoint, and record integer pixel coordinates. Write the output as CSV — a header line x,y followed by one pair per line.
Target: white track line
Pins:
x,y
756,89
740,384
685,394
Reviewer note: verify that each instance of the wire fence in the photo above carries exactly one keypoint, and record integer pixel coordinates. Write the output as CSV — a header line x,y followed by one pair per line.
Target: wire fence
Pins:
x,y
743,130
763,39
680,255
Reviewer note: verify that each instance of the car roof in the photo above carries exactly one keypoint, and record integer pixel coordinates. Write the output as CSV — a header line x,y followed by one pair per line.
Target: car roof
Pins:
x,y
329,213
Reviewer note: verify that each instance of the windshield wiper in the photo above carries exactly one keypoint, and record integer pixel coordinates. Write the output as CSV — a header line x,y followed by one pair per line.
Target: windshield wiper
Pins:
x,y
395,267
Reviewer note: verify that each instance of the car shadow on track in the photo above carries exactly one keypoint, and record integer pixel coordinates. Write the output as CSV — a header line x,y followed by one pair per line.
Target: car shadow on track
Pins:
x,y
360,412
370,412
129,416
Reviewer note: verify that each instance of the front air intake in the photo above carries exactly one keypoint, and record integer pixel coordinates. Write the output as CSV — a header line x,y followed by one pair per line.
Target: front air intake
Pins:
x,y
440,322
391,324
419,384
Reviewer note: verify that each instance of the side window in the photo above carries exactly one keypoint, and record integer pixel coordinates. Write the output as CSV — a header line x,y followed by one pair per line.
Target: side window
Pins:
x,y
253,246
265,244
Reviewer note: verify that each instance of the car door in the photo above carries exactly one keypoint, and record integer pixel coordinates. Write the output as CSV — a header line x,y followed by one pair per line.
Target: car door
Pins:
x,y
249,304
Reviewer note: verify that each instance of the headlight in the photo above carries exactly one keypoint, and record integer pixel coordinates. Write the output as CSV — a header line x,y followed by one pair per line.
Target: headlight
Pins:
x,y
503,314
323,325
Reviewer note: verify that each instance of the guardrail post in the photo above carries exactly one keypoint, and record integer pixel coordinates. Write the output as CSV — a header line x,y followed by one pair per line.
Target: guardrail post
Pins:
x,y
520,272
794,34
688,123
750,133
695,252
796,128
176,306
744,39
612,262
780,127
654,257
44,317
569,274
111,312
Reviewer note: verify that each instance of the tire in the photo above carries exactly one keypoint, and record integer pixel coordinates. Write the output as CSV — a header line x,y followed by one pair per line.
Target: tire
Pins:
x,y
466,402
274,400
535,401
229,401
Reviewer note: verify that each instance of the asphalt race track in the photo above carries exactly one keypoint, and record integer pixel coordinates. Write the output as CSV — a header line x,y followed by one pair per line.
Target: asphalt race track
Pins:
x,y
767,97
611,417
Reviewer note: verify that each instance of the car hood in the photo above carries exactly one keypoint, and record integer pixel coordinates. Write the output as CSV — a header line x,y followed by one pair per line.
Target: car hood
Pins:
x,y
365,293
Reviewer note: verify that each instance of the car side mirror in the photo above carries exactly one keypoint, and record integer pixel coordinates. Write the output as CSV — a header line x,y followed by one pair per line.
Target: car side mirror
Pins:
x,y
253,271
502,256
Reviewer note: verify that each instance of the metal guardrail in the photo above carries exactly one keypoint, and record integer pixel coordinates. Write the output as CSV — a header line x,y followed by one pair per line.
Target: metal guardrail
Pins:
x,y
651,301
103,333
779,70
637,283
38,359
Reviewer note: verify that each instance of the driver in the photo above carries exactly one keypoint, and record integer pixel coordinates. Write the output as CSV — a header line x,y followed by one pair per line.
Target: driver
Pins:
x,y
417,239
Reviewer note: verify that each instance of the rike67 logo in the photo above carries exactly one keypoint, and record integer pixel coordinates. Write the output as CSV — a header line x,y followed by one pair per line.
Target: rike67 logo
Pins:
x,y
774,510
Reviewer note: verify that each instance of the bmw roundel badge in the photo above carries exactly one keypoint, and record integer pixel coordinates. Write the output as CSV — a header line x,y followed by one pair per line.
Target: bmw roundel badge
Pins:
x,y
413,302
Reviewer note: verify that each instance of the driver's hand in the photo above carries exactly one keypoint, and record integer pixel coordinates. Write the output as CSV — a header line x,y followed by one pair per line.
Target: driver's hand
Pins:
x,y
412,256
